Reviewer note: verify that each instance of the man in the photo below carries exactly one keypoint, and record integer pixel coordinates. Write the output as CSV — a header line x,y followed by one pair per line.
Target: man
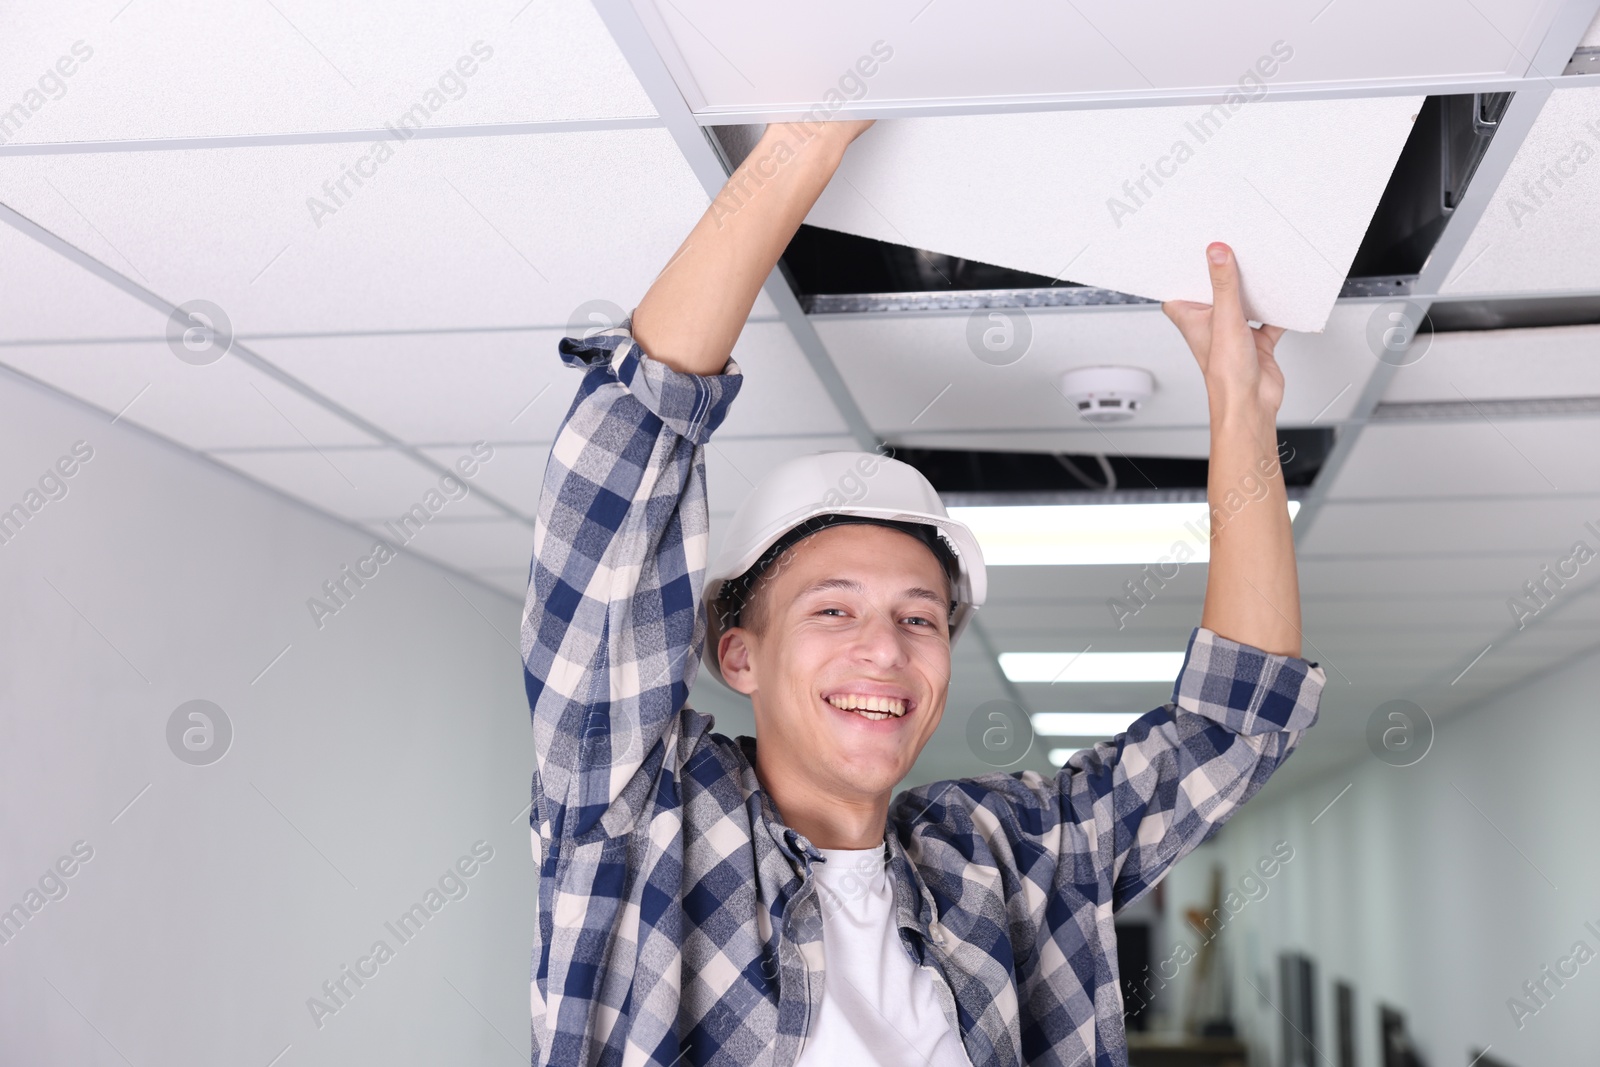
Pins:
x,y
706,901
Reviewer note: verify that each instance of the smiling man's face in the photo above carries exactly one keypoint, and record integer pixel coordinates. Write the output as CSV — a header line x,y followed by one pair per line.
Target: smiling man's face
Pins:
x,y
847,659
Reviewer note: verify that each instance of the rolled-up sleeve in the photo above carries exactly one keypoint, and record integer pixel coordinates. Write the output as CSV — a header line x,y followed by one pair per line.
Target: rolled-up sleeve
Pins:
x,y
611,630
1114,819
1150,795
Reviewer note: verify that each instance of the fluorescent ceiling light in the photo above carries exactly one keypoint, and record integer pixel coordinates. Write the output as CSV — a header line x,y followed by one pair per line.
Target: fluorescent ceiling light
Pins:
x,y
1043,535
1058,756
1082,723
1091,666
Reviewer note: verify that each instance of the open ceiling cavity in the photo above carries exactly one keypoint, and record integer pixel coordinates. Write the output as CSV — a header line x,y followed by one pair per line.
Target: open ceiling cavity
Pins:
x,y
993,477
836,272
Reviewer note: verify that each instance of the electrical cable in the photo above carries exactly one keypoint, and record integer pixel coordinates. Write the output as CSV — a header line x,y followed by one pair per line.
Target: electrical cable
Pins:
x,y
1110,485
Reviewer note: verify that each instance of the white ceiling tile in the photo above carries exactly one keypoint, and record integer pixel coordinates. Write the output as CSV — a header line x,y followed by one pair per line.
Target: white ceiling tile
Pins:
x,y
362,484
514,473
63,299
512,386
1591,36
1373,635
473,545
1483,615
1290,185
1322,577
226,404
1498,675
781,395
1035,49
470,233
183,68
1503,457
896,365
1503,364
734,466
1538,526
440,387
1086,584
1541,231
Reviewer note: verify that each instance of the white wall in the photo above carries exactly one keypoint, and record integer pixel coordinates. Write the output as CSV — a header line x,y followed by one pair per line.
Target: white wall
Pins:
x,y
363,764
1433,888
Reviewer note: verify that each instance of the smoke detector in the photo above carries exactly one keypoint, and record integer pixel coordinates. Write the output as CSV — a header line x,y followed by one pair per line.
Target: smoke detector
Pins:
x,y
1108,394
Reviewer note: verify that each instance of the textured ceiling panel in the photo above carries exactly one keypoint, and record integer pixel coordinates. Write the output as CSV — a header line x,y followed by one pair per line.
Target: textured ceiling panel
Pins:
x,y
362,484
733,467
465,233
781,395
473,545
513,473
911,50
918,376
1326,578
1416,622
63,299
1129,199
445,388
1538,526
1498,458
1542,230
183,68
225,404
1502,365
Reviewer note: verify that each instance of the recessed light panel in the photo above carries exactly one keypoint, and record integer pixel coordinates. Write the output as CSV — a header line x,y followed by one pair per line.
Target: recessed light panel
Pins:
x,y
1094,534
1050,667
1081,723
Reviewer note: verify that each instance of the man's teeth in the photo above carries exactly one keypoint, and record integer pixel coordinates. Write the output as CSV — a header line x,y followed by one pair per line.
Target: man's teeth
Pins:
x,y
874,708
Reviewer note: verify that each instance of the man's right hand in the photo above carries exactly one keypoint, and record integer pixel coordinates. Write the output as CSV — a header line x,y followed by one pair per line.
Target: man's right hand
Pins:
x,y
698,304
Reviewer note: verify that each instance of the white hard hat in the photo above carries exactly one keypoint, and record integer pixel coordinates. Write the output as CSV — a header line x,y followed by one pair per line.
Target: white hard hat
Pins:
x,y
857,485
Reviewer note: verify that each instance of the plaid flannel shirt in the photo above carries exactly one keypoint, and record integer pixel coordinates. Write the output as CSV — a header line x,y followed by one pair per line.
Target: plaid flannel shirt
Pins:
x,y
678,920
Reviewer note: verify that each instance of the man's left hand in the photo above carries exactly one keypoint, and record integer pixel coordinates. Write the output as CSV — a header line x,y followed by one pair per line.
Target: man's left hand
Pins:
x,y
1235,358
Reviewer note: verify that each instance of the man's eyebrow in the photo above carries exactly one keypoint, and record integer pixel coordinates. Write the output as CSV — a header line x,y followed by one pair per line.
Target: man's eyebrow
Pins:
x,y
850,585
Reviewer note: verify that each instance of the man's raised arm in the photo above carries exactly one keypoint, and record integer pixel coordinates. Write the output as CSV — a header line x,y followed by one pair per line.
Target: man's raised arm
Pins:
x,y
612,625
696,307
1252,591
1129,808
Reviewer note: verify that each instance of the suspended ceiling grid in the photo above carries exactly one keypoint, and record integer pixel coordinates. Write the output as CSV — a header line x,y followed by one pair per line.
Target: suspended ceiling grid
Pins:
x,y
377,345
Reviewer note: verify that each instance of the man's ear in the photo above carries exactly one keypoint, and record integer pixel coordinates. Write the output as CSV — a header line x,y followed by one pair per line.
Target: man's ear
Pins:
x,y
734,655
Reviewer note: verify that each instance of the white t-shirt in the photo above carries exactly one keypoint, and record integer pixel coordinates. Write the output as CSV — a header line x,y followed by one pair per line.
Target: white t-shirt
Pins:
x,y
878,1006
